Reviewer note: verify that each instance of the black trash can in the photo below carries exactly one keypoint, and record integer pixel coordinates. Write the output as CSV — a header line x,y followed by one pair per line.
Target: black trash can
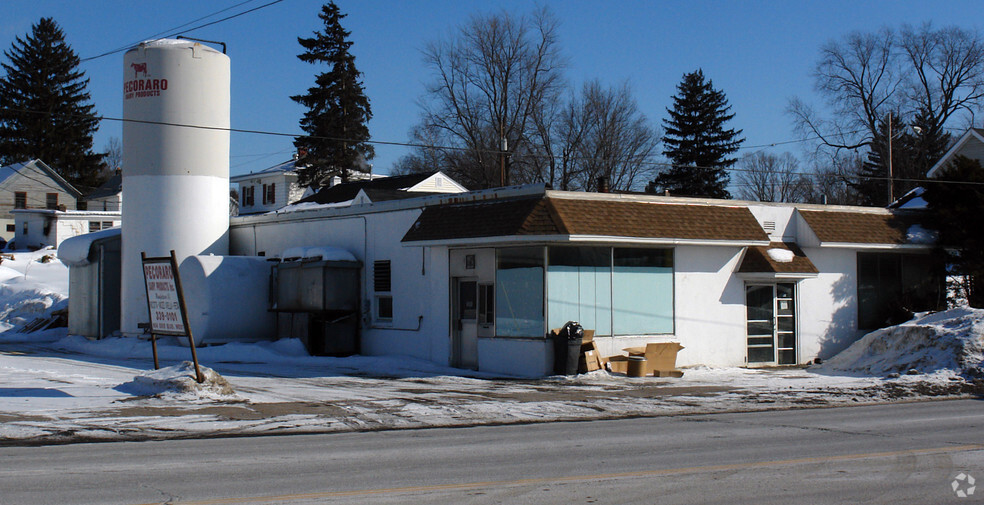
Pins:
x,y
567,348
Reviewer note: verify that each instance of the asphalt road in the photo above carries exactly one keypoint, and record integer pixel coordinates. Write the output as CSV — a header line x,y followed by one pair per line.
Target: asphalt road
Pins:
x,y
902,453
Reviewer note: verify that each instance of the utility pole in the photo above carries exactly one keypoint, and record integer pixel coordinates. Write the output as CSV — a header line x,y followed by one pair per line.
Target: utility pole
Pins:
x,y
891,190
503,146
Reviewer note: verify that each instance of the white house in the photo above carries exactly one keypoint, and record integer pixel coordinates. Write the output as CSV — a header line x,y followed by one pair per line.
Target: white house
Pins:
x,y
269,189
476,280
970,144
32,185
381,189
39,228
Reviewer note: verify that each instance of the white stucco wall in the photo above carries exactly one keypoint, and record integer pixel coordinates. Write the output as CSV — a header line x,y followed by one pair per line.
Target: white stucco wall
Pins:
x,y
828,304
420,326
709,305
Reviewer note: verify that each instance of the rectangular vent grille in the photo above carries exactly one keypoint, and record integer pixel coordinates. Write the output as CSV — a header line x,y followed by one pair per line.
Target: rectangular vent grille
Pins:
x,y
769,226
381,276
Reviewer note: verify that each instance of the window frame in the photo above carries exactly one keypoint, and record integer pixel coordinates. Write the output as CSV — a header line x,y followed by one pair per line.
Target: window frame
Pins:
x,y
382,287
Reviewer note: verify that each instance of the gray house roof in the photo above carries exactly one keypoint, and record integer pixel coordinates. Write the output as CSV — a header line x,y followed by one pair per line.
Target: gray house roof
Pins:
x,y
13,169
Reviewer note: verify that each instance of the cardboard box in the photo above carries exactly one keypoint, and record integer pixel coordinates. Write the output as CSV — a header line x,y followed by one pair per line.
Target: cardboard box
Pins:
x,y
618,364
668,373
659,355
588,362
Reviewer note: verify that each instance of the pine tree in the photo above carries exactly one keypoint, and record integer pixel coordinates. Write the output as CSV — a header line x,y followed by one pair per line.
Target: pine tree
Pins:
x,y
338,109
44,106
954,202
696,142
914,151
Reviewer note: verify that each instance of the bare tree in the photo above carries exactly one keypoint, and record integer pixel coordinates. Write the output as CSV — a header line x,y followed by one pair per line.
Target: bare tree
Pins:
x,y
947,71
858,79
833,181
113,157
491,78
922,75
767,177
618,140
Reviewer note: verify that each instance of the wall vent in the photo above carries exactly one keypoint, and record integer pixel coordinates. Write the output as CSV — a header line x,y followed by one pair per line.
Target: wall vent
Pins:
x,y
381,276
769,226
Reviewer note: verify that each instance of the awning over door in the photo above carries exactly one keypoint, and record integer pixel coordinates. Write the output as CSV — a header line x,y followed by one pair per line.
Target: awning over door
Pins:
x,y
778,260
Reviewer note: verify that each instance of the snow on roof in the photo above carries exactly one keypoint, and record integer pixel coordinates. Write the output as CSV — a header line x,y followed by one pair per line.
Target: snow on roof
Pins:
x,y
916,234
323,253
75,251
780,255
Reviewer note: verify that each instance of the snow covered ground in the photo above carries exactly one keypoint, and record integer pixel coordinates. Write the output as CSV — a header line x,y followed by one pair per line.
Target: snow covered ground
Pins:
x,y
58,388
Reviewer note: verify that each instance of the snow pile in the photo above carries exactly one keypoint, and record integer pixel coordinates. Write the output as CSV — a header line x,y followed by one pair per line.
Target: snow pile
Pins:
x,y
943,341
780,255
32,285
297,207
179,380
75,251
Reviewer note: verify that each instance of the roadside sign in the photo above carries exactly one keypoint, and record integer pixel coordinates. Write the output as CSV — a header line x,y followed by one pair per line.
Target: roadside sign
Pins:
x,y
166,316
166,304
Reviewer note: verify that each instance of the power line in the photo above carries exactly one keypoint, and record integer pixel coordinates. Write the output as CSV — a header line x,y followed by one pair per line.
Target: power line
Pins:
x,y
179,27
642,162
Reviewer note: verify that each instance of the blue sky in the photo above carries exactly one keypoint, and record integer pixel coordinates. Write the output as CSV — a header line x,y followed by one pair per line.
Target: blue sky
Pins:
x,y
760,53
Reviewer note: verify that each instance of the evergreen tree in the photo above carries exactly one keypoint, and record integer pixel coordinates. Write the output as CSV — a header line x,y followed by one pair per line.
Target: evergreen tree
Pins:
x,y
915,150
955,204
338,109
696,141
44,106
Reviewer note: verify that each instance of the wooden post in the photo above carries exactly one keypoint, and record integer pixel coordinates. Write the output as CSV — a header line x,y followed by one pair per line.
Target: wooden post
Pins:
x,y
153,336
184,318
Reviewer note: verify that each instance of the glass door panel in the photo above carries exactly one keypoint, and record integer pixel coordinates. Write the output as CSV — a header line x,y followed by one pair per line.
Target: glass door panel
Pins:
x,y
786,324
760,314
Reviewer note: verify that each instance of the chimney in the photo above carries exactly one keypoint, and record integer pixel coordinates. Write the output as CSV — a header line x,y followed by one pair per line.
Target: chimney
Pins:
x,y
603,184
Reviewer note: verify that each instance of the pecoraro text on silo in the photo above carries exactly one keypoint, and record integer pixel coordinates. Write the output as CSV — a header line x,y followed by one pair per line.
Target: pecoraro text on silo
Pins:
x,y
140,88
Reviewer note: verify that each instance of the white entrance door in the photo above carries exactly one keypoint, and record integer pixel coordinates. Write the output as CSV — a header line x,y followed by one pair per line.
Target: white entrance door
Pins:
x,y
465,323
771,323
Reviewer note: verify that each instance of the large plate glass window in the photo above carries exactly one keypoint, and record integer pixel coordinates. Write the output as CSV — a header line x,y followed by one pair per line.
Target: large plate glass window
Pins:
x,y
519,292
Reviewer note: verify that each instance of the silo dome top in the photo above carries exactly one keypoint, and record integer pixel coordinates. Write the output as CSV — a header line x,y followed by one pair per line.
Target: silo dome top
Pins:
x,y
154,43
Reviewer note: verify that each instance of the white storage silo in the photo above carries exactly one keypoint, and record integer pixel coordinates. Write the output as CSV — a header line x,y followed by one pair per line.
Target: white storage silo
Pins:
x,y
175,160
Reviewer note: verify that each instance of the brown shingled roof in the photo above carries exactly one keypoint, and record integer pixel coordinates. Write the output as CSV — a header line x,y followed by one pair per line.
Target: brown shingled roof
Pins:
x,y
545,215
757,260
658,220
857,227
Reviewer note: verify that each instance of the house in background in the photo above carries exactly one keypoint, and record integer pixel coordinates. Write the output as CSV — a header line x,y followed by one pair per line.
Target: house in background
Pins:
x,y
383,188
40,228
970,145
268,189
277,187
108,196
32,185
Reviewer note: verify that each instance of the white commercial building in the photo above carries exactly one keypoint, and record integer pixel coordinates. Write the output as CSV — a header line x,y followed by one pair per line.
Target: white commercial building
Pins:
x,y
477,280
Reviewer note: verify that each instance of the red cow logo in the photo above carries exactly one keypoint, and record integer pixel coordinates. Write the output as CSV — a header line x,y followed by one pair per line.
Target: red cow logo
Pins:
x,y
139,68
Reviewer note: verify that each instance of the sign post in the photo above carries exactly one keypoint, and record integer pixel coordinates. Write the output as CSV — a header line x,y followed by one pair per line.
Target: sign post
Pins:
x,y
166,304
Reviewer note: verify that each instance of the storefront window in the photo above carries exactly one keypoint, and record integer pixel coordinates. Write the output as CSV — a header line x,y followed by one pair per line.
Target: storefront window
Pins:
x,y
579,281
892,286
621,291
642,291
519,292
